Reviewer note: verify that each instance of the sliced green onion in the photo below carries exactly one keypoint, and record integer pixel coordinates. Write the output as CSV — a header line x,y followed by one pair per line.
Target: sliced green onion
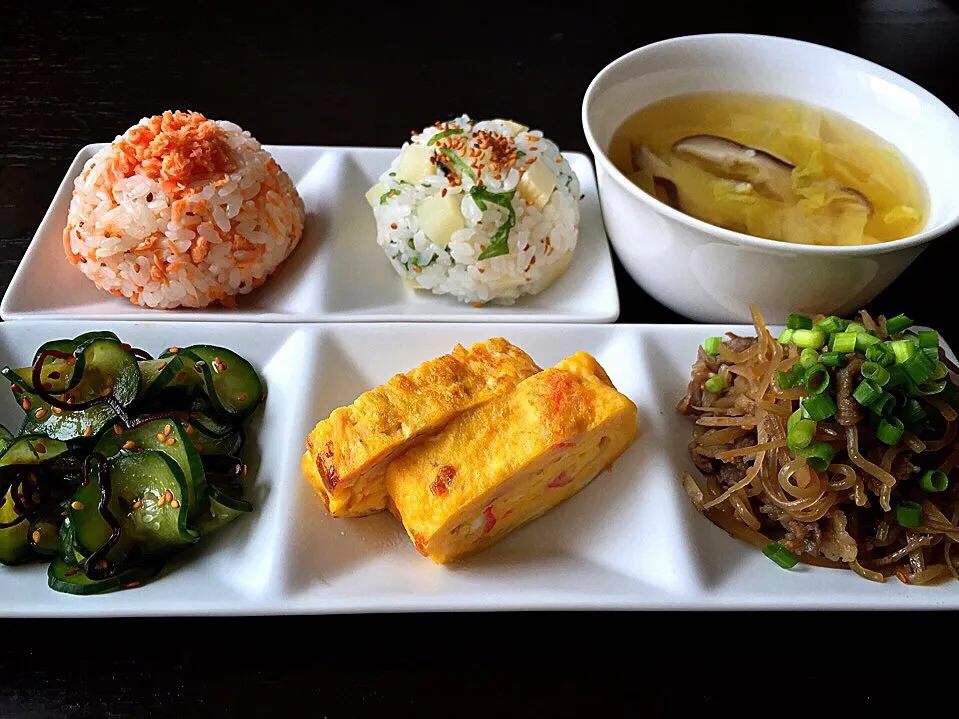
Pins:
x,y
929,338
801,434
909,514
780,555
784,379
808,357
875,372
902,350
879,354
795,417
897,324
715,384
816,379
832,359
890,431
864,341
809,338
844,343
819,407
786,337
831,324
712,345
940,372
866,393
854,328
883,405
928,388
445,133
934,481
896,376
930,352
919,368
912,412
818,454
798,322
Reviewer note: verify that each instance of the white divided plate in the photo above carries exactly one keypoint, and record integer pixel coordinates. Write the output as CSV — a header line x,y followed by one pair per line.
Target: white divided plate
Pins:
x,y
337,274
630,540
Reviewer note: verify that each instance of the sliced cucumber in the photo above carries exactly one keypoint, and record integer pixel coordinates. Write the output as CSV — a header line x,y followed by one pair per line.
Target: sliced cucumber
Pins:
x,y
91,530
44,536
14,540
63,577
32,449
234,387
102,365
156,374
150,501
6,439
223,510
175,444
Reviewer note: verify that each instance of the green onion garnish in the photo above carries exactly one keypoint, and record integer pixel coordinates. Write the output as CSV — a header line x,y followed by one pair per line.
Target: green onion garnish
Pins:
x,y
784,379
818,454
458,164
879,354
831,324
883,405
934,481
801,434
819,407
832,359
808,357
890,431
930,387
919,368
854,327
909,514
866,393
793,419
445,133
809,338
897,324
798,322
878,374
712,344
940,372
896,376
930,352
902,350
929,338
786,337
780,555
912,412
844,343
816,379
715,384
864,341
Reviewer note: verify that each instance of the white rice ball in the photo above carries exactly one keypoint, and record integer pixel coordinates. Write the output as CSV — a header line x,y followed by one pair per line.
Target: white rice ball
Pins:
x,y
182,211
484,211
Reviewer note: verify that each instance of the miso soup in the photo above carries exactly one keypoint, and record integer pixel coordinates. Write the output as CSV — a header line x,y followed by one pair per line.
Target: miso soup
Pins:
x,y
771,167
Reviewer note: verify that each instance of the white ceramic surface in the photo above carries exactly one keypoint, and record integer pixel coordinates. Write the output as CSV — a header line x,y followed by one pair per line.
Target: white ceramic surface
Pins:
x,y
337,274
711,274
630,540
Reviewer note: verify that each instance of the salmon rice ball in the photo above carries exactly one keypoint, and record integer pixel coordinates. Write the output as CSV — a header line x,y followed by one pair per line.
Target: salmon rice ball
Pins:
x,y
484,211
182,211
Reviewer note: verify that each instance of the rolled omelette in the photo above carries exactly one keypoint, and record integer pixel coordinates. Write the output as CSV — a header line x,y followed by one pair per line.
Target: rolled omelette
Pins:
x,y
347,453
508,461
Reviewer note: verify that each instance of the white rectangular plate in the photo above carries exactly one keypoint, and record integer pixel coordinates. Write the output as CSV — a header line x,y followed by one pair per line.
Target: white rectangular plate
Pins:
x,y
338,273
630,540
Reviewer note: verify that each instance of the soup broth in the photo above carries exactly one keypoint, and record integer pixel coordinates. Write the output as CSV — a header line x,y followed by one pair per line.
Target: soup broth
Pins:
x,y
771,167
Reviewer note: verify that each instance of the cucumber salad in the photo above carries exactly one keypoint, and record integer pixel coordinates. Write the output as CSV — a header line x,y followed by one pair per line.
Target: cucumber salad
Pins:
x,y
121,459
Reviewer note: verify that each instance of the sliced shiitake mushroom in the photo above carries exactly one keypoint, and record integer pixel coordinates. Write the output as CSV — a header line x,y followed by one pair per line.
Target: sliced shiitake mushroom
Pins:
x,y
646,161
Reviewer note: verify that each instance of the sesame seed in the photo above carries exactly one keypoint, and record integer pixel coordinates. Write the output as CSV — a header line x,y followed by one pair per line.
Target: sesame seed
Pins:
x,y
168,496
160,437
79,506
443,193
129,444
70,572
40,447
242,398
57,410
167,429
88,431
173,350
40,413
102,564
137,505
180,376
117,429
36,536
161,366
198,447
558,160
107,392
17,388
131,585
244,470
188,428
175,504
171,441
161,501
25,404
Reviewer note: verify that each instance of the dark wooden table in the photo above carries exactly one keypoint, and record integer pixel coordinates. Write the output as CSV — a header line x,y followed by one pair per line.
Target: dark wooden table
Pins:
x,y
361,75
